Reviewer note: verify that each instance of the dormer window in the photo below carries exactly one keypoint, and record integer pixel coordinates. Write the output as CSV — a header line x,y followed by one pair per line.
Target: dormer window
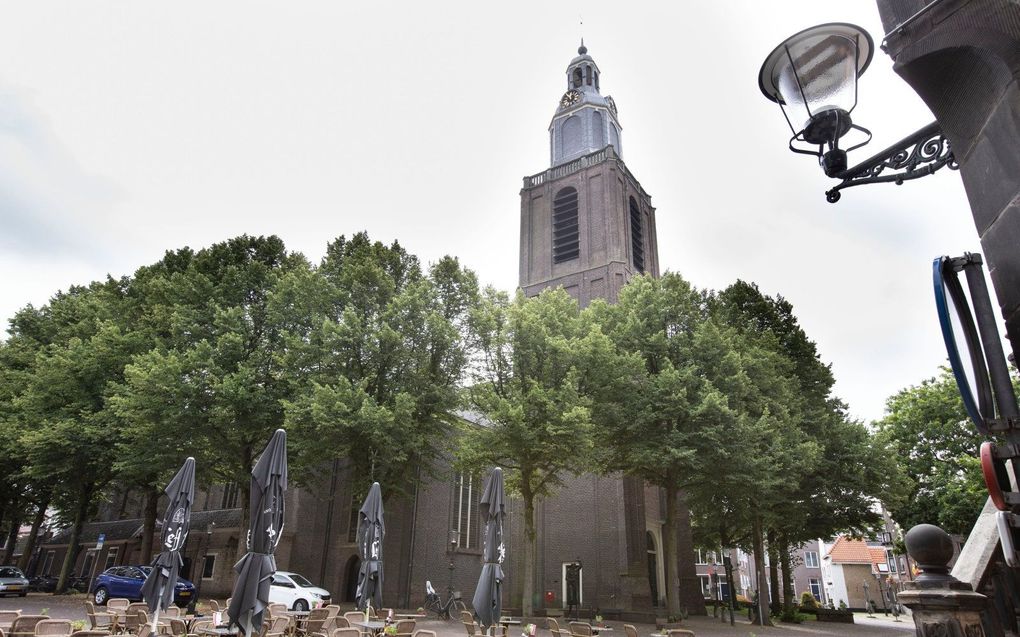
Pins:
x,y
578,79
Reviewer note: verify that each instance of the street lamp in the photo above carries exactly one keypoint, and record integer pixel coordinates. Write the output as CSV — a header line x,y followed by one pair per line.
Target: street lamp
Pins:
x,y
813,74
454,539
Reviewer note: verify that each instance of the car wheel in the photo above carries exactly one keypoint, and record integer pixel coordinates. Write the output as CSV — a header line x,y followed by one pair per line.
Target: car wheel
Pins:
x,y
100,596
301,605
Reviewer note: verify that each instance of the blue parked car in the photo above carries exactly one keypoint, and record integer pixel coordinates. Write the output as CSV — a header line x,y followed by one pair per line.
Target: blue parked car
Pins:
x,y
126,581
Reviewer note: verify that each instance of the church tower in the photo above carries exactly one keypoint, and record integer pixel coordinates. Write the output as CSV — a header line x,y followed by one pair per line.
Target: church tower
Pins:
x,y
586,222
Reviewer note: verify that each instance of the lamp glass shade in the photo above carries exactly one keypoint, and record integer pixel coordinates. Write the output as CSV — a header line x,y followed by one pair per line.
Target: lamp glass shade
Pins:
x,y
816,70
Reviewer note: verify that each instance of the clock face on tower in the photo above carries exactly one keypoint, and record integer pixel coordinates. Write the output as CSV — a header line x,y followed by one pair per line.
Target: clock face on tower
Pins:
x,y
570,98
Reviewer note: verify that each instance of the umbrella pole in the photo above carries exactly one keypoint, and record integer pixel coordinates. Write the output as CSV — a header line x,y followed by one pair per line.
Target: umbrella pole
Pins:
x,y
155,615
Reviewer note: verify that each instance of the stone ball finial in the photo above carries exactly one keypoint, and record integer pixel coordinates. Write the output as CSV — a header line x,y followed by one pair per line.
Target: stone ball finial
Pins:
x,y
931,548
581,50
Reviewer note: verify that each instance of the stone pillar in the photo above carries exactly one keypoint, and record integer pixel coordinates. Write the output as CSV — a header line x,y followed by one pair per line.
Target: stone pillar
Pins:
x,y
961,58
942,605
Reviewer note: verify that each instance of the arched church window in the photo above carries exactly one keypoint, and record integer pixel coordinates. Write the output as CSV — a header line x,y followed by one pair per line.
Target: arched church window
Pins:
x,y
572,135
614,139
587,74
598,130
566,231
637,243
596,80
653,568
578,78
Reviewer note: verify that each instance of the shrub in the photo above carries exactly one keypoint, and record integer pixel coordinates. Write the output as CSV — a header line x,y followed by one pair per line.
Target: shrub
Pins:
x,y
807,600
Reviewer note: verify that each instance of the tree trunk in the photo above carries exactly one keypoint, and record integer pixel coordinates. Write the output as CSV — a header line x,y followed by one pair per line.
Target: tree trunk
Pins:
x,y
12,539
759,561
149,524
40,515
245,488
530,553
669,553
774,603
789,603
73,547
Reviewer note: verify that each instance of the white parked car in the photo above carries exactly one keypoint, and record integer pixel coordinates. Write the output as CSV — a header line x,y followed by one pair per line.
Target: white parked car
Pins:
x,y
296,592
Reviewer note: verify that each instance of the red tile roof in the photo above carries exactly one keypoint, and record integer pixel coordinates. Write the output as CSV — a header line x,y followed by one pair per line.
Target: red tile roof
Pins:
x,y
877,557
847,551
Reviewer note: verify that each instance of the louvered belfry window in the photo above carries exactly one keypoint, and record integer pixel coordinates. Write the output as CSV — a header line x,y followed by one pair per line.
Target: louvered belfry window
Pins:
x,y
636,241
566,231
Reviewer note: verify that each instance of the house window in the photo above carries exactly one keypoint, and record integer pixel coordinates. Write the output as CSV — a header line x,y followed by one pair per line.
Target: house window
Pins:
x,y
208,566
891,559
637,237
811,559
566,232
48,562
706,585
816,588
229,499
111,557
467,493
89,563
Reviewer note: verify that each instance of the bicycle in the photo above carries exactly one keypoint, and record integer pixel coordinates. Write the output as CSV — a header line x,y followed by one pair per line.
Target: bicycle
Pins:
x,y
451,609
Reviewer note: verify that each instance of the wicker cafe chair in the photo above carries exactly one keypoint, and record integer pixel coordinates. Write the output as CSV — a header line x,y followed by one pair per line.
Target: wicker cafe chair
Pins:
x,y
336,622
178,627
629,630
468,619
278,627
98,619
424,633
346,632
173,611
405,627
580,629
54,628
554,628
7,618
316,619
24,626
354,616
90,633
132,618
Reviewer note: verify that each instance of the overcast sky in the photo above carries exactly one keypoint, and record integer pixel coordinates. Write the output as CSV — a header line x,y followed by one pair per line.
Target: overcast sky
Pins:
x,y
131,128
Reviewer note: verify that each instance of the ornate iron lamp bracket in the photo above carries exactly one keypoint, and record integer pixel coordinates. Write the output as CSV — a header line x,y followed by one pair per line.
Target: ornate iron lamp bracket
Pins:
x,y
917,155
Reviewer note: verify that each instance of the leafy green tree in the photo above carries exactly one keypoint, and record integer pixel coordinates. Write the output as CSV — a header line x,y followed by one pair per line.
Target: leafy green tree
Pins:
x,y
673,419
532,355
810,503
214,381
375,359
936,445
28,333
72,436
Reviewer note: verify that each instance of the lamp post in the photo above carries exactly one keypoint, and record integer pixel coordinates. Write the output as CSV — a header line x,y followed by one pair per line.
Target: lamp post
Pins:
x,y
813,77
454,538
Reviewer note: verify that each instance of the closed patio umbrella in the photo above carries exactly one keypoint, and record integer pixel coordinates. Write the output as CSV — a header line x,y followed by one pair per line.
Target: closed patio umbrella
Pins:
x,y
371,531
158,589
255,570
487,601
